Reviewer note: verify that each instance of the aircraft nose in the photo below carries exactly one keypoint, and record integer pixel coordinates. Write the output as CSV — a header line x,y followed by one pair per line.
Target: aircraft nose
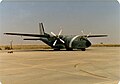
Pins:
x,y
88,43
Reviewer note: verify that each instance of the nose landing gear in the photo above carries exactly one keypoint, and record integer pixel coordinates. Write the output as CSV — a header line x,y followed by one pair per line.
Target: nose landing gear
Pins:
x,y
83,49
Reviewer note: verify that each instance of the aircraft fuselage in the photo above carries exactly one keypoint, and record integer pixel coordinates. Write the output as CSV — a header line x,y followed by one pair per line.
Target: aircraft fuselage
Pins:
x,y
71,42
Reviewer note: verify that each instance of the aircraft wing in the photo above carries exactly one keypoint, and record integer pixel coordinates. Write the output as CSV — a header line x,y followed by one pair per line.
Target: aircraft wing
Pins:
x,y
32,39
96,36
89,36
20,34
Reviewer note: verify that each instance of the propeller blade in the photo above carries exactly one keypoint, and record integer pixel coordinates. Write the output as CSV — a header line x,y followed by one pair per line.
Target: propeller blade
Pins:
x,y
83,32
60,32
62,41
55,43
88,34
53,34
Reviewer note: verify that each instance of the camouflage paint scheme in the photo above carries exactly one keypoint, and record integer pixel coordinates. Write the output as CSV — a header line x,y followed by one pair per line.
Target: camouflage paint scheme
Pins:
x,y
57,42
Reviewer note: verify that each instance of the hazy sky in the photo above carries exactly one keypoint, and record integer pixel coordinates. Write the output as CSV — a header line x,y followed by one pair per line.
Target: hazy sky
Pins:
x,y
95,16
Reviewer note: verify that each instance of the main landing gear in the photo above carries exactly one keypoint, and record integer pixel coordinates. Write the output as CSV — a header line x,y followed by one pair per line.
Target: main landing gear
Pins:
x,y
57,49
69,49
83,49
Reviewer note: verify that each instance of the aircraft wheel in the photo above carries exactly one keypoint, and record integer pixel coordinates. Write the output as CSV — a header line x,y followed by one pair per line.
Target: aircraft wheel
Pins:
x,y
83,49
69,49
56,49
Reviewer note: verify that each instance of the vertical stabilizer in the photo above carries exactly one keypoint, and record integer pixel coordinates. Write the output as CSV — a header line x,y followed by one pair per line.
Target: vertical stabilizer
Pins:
x,y
42,32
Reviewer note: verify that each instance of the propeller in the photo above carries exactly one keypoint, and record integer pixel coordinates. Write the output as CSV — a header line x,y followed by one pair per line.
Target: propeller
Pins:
x,y
88,34
85,34
57,37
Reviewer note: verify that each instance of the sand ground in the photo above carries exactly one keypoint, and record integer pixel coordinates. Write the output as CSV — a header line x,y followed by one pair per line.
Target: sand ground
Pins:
x,y
96,65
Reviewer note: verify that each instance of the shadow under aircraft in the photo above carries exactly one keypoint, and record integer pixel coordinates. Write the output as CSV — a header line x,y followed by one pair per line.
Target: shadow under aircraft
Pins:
x,y
57,42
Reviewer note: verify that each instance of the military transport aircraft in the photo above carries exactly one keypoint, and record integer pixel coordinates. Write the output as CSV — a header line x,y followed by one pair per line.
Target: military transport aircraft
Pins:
x,y
59,41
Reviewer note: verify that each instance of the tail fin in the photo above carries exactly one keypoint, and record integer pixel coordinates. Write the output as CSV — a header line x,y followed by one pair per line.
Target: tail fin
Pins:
x,y
42,31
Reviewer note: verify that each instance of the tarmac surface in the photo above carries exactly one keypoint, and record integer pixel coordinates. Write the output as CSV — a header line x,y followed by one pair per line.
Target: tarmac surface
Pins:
x,y
96,65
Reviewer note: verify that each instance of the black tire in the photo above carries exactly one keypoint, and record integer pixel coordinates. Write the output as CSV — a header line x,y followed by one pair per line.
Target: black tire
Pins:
x,y
83,49
69,49
56,49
